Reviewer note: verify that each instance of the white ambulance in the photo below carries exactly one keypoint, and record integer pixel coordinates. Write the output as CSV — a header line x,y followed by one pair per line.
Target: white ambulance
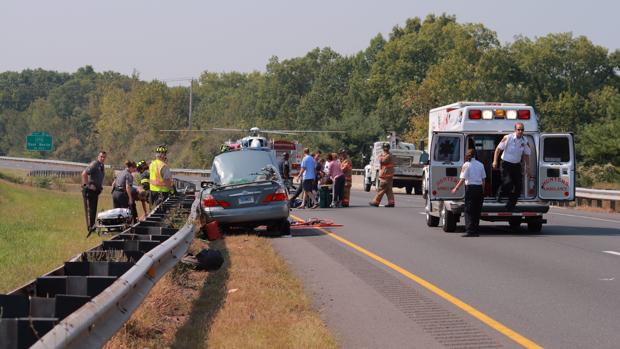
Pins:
x,y
460,126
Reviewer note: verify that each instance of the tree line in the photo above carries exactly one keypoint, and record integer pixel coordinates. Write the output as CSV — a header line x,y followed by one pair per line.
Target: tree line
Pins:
x,y
390,85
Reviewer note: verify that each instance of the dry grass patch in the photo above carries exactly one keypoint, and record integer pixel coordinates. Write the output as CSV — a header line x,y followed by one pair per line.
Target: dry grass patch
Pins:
x,y
253,301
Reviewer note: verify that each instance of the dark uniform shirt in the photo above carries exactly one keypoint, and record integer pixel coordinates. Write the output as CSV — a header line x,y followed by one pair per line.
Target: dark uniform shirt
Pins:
x,y
96,171
124,178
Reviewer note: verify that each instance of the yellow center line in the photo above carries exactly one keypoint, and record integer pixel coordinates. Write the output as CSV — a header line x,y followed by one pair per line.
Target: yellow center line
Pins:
x,y
496,325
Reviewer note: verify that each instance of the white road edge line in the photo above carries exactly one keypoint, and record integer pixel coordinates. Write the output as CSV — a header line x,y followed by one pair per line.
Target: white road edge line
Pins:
x,y
612,252
587,217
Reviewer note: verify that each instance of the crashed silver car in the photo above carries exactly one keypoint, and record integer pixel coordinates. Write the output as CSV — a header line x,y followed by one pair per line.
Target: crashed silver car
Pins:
x,y
246,190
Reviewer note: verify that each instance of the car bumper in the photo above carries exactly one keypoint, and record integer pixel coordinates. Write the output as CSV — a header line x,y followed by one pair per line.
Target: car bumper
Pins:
x,y
248,215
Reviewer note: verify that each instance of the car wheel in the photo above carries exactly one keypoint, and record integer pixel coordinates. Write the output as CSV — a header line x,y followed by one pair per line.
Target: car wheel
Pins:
x,y
448,220
285,227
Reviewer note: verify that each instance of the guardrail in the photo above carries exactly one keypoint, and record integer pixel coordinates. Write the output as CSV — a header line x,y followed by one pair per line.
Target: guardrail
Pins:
x,y
605,199
85,302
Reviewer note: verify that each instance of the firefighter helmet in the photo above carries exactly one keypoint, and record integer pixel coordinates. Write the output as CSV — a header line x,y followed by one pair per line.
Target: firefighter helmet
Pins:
x,y
162,149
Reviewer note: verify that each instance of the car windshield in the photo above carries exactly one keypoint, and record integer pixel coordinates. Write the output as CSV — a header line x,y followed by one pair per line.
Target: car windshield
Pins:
x,y
246,166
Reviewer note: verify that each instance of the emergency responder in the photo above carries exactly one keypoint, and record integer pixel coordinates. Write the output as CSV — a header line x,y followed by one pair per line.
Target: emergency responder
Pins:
x,y
473,175
347,170
92,185
123,194
386,178
144,175
515,149
160,177
284,167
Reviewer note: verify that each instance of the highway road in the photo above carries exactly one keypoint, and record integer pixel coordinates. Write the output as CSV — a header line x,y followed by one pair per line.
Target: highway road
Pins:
x,y
386,280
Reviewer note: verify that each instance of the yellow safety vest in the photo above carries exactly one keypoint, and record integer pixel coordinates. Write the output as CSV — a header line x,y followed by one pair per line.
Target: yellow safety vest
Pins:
x,y
155,178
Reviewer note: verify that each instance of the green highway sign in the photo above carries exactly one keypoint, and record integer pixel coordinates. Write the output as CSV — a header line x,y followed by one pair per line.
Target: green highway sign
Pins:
x,y
39,141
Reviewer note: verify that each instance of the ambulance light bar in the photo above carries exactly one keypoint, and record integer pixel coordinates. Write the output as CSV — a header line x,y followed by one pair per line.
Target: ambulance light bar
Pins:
x,y
477,114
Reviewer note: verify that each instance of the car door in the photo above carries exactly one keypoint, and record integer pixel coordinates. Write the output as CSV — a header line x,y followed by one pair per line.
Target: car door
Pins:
x,y
446,159
556,167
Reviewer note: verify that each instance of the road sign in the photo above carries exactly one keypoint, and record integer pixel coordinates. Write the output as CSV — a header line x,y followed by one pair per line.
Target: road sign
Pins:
x,y
39,141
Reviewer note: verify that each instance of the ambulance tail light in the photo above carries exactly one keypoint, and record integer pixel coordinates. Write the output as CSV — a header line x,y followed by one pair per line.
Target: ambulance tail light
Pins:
x,y
511,114
487,114
523,114
475,114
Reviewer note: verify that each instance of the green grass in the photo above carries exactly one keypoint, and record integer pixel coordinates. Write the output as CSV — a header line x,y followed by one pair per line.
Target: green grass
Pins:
x,y
39,230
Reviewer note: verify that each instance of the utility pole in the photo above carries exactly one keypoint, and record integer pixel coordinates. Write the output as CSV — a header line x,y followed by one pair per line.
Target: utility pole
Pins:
x,y
191,83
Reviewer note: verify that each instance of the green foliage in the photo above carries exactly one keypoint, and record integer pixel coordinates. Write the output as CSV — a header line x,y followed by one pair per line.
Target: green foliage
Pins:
x,y
588,176
390,85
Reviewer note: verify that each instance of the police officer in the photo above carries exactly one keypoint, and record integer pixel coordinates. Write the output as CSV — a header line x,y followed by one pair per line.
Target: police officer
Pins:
x,y
92,185
123,194
386,178
473,175
160,177
515,148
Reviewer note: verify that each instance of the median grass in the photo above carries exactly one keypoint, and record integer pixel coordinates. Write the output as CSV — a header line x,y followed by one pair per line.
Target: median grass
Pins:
x,y
39,230
253,301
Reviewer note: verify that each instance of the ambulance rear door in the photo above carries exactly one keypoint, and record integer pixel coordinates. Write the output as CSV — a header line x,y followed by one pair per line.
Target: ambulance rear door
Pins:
x,y
556,167
446,158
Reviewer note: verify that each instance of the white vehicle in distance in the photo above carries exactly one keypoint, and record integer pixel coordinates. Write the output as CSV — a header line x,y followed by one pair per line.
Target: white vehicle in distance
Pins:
x,y
408,165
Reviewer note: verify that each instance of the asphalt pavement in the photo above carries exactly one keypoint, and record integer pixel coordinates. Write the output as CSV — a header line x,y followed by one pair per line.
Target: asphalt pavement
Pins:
x,y
386,280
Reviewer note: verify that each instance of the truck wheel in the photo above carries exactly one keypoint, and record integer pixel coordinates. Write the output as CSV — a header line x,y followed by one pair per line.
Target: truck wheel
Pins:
x,y
408,190
431,221
448,220
418,189
534,226
367,185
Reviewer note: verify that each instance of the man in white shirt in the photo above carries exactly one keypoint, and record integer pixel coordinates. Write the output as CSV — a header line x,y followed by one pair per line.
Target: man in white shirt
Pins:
x,y
515,148
473,175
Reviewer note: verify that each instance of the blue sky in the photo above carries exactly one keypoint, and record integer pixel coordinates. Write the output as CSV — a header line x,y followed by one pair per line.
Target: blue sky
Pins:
x,y
172,39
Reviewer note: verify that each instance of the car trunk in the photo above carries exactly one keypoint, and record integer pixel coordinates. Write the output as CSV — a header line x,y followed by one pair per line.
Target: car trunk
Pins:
x,y
485,145
245,195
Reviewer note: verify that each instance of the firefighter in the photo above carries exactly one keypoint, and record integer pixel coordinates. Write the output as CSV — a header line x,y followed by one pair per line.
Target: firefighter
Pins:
x,y
347,170
160,177
143,177
386,178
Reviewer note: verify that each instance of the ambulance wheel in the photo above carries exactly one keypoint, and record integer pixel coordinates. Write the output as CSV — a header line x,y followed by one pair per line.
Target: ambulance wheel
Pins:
x,y
431,220
448,220
367,185
408,190
418,189
534,226
515,223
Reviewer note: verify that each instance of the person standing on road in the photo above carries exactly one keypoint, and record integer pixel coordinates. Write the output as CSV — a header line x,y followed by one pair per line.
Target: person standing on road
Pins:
x,y
123,195
473,175
160,177
92,185
307,175
334,171
386,178
347,170
284,168
515,149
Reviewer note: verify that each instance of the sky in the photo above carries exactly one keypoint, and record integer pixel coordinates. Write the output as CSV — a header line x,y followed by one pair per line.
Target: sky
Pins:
x,y
168,40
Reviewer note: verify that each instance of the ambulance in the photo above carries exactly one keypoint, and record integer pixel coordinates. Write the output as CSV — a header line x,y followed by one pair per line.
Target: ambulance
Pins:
x,y
455,128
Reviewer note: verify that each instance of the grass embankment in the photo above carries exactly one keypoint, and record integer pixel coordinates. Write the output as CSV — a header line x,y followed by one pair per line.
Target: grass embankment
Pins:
x,y
39,230
253,301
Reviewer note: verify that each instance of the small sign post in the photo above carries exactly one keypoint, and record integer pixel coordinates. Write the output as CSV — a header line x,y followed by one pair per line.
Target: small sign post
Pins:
x,y
39,141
